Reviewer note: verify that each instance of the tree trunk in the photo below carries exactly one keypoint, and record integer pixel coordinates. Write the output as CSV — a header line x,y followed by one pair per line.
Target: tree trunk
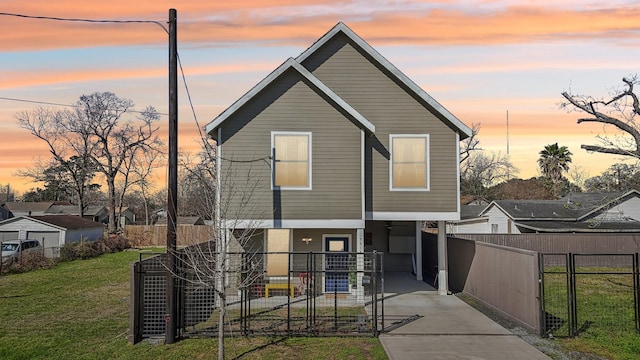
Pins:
x,y
223,308
112,205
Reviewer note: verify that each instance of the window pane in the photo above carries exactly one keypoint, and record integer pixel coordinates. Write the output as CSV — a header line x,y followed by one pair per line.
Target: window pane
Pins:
x,y
291,163
291,174
409,175
292,147
409,162
277,241
336,245
409,149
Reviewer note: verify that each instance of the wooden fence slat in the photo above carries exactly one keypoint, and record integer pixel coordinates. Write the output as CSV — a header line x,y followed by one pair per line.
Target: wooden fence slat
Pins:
x,y
156,235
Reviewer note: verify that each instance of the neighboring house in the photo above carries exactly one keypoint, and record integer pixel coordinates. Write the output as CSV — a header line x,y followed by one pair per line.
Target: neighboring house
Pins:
x,y
92,212
5,213
338,150
124,216
20,208
53,231
579,212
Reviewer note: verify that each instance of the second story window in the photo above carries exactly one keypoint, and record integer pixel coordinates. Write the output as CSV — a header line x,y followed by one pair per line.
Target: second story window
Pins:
x,y
291,164
409,169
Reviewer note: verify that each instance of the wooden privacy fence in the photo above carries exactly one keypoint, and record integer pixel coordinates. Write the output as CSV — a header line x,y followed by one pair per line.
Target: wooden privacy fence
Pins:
x,y
532,278
156,235
564,243
503,278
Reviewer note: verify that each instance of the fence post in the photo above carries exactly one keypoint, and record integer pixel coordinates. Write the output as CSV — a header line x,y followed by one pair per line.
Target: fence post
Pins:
x,y
571,295
636,291
289,293
134,303
543,317
374,292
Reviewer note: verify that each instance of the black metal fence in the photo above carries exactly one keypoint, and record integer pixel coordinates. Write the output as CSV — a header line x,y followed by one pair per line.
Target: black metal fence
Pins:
x,y
286,293
587,293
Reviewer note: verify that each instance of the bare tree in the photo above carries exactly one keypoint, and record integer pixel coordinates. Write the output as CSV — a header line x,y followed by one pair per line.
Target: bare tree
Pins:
x,y
95,132
481,171
142,172
578,175
619,110
197,183
135,172
470,144
68,141
618,177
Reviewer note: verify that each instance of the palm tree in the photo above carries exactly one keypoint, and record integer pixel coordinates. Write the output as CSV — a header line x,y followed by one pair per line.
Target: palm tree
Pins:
x,y
554,161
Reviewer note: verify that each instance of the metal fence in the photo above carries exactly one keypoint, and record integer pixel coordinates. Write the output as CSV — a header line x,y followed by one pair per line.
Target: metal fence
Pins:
x,y
285,293
581,295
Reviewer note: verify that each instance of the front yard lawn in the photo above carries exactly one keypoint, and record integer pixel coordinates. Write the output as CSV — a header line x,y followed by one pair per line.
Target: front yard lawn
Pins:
x,y
80,310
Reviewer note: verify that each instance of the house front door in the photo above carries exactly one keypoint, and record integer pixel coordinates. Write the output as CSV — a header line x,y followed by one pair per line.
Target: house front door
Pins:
x,y
336,264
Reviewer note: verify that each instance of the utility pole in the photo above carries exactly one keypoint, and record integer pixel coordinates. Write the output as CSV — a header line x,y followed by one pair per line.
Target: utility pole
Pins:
x,y
172,186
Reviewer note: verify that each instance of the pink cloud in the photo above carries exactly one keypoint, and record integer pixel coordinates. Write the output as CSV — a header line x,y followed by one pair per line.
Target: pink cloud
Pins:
x,y
228,22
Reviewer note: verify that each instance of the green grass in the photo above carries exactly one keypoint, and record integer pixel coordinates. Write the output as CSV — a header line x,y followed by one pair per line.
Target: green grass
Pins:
x,y
80,310
605,313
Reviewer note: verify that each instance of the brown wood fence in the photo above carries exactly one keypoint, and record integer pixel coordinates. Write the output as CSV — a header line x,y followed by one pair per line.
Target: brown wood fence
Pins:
x,y
503,278
156,235
564,243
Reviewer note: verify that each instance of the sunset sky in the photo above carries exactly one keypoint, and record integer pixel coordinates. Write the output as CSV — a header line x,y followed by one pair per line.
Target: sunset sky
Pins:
x,y
479,58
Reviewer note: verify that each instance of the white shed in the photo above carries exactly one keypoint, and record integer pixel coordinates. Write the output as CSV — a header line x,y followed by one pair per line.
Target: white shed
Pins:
x,y
53,231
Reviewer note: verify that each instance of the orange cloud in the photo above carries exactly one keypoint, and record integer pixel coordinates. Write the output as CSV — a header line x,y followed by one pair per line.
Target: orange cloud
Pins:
x,y
244,21
17,79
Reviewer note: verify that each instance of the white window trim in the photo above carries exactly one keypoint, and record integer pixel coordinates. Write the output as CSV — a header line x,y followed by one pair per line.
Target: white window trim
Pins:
x,y
273,159
427,158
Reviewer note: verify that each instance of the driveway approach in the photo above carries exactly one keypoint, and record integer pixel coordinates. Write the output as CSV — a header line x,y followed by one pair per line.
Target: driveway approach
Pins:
x,y
448,328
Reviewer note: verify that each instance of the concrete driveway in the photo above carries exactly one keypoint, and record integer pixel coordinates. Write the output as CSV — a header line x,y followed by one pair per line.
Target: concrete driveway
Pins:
x,y
447,328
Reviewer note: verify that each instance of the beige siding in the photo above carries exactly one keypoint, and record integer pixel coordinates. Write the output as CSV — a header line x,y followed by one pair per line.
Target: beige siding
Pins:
x,y
393,111
290,105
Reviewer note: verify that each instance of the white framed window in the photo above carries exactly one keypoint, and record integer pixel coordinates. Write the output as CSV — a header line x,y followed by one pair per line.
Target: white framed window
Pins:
x,y
291,160
409,165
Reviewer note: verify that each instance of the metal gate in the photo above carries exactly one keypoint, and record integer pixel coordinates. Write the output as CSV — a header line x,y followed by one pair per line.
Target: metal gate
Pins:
x,y
260,301
591,293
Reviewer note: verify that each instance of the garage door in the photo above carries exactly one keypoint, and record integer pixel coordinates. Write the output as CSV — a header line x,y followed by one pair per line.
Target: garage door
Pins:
x,y
8,235
51,239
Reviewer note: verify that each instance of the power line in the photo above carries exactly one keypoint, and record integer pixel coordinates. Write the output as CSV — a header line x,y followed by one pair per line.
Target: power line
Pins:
x,y
159,23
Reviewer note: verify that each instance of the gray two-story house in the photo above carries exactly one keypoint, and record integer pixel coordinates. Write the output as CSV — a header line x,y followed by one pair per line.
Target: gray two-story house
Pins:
x,y
338,150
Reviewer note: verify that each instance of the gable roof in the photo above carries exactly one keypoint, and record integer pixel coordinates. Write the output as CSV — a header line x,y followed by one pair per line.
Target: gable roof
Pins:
x,y
403,79
573,207
313,81
91,210
67,221
599,202
296,64
39,206
535,210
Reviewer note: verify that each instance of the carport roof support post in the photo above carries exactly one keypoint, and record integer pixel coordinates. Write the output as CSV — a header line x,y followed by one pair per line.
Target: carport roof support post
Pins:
x,y
443,284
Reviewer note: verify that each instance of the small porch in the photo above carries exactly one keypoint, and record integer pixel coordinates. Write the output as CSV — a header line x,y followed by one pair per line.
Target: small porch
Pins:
x,y
401,242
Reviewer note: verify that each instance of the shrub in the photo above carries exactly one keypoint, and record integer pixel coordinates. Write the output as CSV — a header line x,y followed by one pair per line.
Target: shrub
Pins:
x,y
86,250
116,243
76,251
28,262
